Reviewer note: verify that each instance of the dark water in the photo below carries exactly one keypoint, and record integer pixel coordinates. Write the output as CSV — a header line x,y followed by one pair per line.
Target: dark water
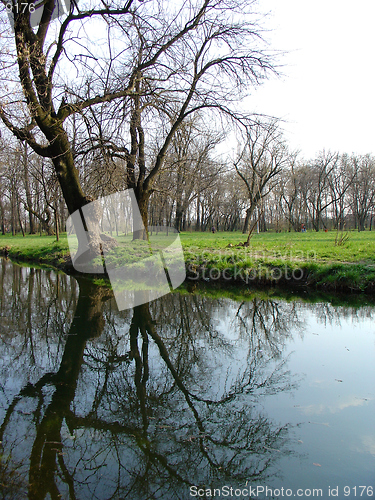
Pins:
x,y
183,392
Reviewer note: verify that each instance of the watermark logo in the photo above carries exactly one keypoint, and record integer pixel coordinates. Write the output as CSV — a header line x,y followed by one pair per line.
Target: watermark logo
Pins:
x,y
108,235
35,10
248,265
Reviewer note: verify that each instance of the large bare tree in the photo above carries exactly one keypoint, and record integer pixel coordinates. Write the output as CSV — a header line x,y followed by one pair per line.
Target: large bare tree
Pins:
x,y
137,63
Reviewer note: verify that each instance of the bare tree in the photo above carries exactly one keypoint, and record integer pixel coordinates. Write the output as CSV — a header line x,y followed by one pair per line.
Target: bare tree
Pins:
x,y
261,160
340,180
289,194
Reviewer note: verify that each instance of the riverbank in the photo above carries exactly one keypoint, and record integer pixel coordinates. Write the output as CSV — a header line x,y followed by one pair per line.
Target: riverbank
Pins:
x,y
312,261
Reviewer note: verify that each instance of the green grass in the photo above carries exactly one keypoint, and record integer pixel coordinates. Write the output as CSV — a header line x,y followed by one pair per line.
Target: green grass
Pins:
x,y
42,249
325,266
292,246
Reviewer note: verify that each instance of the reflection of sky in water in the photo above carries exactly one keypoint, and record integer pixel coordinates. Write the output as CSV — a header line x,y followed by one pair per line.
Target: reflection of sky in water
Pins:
x,y
334,404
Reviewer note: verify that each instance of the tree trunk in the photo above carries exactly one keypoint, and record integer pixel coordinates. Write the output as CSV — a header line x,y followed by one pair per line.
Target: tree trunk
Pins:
x,y
179,216
361,223
75,199
13,215
56,224
28,192
140,226
19,219
247,220
198,220
2,218
66,171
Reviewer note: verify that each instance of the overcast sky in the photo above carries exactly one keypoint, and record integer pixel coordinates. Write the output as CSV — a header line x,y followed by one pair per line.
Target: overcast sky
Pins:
x,y
327,92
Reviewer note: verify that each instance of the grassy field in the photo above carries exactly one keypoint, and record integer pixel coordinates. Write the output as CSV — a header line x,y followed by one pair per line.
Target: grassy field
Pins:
x,y
306,259
42,249
360,246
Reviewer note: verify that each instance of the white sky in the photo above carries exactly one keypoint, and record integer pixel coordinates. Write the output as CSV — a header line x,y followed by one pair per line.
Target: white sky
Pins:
x,y
326,93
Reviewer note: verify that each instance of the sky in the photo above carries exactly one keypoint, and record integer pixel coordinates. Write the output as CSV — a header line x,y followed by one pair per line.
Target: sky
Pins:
x,y
326,92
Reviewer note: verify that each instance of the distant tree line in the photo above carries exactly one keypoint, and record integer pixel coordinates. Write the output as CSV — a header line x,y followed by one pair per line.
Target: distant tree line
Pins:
x,y
199,190
330,191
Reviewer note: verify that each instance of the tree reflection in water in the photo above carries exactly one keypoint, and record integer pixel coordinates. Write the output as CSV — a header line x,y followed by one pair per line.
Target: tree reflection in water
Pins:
x,y
138,404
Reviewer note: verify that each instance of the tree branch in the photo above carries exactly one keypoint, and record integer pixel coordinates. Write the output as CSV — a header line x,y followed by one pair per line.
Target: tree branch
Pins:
x,y
24,134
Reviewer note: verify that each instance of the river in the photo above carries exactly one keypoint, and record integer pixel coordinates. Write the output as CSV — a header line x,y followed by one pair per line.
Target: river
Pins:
x,y
188,396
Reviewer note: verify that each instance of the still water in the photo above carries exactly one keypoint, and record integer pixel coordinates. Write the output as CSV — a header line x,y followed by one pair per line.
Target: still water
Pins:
x,y
185,397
